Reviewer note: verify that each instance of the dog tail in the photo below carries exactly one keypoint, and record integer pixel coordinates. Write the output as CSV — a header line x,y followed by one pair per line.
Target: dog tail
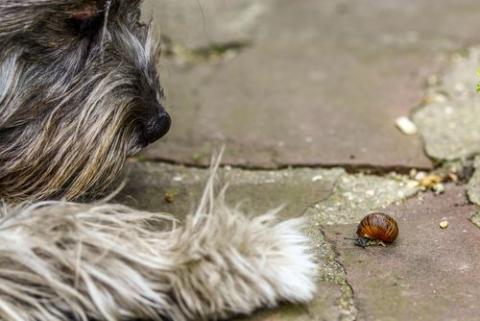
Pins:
x,y
63,261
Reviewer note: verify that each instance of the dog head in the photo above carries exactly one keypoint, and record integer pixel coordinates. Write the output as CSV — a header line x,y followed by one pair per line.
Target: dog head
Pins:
x,y
79,93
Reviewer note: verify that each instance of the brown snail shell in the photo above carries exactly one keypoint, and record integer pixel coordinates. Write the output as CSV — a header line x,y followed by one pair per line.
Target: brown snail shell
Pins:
x,y
377,227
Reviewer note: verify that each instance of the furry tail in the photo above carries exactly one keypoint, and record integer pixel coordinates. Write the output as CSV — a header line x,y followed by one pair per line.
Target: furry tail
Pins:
x,y
64,261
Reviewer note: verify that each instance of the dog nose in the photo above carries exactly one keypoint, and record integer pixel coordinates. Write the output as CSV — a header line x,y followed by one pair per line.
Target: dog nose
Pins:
x,y
156,127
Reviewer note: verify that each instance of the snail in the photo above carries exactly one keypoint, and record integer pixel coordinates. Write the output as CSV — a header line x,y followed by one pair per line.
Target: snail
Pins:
x,y
376,229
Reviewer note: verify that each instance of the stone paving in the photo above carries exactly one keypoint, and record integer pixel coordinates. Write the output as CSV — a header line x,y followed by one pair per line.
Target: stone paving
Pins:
x,y
305,95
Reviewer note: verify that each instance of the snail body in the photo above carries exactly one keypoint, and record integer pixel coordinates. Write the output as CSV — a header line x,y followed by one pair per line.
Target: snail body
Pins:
x,y
378,227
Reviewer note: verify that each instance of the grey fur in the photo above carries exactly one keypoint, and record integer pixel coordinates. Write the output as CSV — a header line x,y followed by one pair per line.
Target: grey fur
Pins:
x,y
77,92
73,93
109,262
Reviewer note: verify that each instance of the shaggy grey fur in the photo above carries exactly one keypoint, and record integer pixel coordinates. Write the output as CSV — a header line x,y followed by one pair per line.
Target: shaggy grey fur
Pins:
x,y
109,262
78,94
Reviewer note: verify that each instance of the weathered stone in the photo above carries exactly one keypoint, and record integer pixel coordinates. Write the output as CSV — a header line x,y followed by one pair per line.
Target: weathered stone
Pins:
x,y
451,130
449,123
356,195
321,84
429,273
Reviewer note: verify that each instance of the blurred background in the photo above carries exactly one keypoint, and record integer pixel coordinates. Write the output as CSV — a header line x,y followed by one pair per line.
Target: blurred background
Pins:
x,y
307,82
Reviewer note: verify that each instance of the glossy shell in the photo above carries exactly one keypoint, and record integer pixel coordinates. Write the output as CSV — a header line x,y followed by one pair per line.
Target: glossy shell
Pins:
x,y
379,227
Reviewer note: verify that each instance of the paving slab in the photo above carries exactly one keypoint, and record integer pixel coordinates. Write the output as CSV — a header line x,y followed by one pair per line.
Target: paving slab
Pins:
x,y
449,122
429,273
321,83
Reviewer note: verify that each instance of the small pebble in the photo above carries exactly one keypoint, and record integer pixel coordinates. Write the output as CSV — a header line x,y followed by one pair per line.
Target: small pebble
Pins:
x,y
420,175
453,177
438,189
443,224
406,126
413,172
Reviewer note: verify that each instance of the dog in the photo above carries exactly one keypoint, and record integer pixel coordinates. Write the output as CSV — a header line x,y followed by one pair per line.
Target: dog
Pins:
x,y
79,94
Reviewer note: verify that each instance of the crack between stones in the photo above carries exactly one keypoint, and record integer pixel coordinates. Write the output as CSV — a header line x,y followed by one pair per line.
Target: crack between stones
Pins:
x,y
338,274
370,169
346,301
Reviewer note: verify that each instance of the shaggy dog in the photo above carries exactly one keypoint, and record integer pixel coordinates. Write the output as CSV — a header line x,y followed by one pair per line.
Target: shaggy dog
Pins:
x,y
79,93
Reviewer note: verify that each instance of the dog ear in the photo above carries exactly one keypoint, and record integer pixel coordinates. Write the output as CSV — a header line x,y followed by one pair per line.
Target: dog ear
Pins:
x,y
17,16
85,12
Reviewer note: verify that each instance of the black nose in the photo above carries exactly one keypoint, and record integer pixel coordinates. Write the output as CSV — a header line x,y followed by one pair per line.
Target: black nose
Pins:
x,y
156,127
